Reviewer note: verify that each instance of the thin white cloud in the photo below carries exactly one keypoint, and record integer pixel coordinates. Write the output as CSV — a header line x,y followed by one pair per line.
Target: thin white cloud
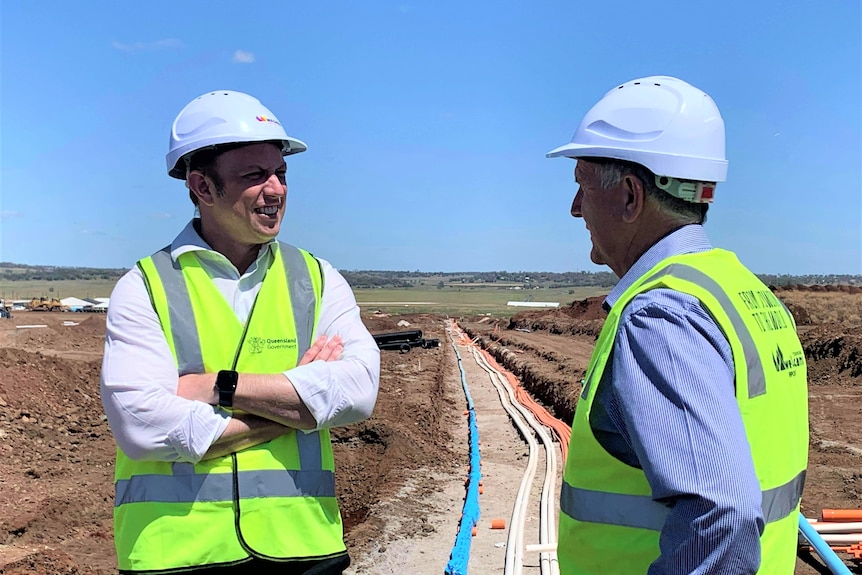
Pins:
x,y
243,57
146,46
87,232
10,214
161,216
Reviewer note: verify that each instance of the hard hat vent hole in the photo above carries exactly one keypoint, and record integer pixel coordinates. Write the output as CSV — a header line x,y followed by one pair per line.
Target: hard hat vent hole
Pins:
x,y
657,84
637,83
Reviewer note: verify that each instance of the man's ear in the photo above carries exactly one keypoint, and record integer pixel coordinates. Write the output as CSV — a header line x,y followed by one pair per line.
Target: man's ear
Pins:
x,y
201,187
635,198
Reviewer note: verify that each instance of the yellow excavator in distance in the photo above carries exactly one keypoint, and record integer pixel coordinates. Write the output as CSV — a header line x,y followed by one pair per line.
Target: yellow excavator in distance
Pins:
x,y
46,304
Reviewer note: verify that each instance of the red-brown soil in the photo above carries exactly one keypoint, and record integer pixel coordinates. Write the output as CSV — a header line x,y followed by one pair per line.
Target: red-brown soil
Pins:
x,y
56,453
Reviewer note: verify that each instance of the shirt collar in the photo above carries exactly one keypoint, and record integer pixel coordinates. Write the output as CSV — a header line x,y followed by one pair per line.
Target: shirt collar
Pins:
x,y
189,240
685,240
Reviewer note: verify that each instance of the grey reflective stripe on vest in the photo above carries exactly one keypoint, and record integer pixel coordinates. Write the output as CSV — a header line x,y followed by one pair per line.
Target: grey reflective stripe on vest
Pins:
x,y
302,298
304,303
182,317
756,376
781,501
642,512
310,455
612,508
209,487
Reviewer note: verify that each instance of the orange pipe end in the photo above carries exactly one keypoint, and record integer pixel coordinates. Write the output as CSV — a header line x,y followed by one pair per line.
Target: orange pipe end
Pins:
x,y
498,523
842,515
475,530
481,489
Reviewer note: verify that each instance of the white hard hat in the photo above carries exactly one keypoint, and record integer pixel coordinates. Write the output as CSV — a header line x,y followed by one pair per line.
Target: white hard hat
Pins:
x,y
659,122
223,117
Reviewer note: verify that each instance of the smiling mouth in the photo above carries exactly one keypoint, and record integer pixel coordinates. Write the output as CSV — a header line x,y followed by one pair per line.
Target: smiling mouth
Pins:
x,y
267,210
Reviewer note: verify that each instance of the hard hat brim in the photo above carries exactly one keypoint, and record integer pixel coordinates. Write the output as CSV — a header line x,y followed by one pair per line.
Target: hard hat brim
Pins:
x,y
290,146
695,169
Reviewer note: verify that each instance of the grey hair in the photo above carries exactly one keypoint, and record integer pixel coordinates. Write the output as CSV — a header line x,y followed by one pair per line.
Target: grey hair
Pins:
x,y
612,172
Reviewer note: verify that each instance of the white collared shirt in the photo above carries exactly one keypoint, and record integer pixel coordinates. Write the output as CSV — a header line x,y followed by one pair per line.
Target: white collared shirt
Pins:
x,y
139,374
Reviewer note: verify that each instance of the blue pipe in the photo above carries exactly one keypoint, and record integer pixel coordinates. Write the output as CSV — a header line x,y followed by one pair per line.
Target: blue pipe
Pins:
x,y
835,564
460,556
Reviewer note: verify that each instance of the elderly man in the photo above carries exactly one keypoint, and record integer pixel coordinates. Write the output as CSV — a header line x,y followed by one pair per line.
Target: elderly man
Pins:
x,y
691,431
228,357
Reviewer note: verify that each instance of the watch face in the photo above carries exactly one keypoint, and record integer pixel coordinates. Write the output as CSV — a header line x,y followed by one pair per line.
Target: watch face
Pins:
x,y
226,380
226,385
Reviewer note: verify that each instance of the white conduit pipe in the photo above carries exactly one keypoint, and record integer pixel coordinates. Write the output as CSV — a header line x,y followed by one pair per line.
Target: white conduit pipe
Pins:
x,y
547,531
842,537
547,535
515,541
830,527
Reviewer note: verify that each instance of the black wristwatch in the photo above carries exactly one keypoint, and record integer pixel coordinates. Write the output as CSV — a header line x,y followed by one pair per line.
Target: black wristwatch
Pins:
x,y
226,385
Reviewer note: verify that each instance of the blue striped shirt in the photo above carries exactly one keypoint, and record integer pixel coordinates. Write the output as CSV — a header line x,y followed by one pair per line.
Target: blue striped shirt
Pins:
x,y
667,405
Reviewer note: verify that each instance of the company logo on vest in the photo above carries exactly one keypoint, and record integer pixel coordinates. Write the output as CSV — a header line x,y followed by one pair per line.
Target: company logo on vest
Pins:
x,y
783,363
259,344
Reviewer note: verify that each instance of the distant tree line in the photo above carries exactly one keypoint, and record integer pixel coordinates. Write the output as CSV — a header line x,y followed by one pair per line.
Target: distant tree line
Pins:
x,y
20,272
369,279
810,279
407,279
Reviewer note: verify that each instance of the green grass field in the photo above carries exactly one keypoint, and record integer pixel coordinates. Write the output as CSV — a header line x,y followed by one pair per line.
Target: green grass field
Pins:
x,y
27,289
455,301
459,301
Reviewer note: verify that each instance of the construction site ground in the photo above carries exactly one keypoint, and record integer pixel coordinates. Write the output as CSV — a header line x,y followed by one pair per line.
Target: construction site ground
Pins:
x,y
401,473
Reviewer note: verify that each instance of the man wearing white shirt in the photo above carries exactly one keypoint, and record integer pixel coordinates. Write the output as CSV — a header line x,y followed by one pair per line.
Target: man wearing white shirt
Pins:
x,y
228,357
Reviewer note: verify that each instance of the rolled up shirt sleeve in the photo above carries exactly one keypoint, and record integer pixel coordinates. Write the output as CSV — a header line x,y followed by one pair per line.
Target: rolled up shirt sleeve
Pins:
x,y
675,403
139,384
343,391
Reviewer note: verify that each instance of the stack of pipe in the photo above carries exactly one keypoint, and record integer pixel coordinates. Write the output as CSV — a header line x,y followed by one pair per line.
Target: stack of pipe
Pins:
x,y
841,526
838,530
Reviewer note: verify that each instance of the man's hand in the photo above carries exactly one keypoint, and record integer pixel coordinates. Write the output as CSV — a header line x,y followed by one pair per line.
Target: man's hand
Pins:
x,y
323,349
201,386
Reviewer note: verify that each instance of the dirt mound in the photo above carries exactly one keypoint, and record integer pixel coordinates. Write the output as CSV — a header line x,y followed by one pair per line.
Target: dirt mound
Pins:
x,y
56,468
830,355
800,314
407,434
49,562
584,317
589,308
62,332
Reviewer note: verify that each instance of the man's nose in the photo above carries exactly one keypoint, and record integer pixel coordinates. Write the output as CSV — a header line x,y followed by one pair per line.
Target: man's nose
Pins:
x,y
275,185
576,205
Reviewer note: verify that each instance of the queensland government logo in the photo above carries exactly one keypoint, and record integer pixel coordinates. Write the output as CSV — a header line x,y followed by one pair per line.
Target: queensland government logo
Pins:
x,y
256,344
259,344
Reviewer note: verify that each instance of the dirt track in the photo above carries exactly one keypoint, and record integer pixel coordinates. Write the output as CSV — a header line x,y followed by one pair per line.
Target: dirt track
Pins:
x,y
400,473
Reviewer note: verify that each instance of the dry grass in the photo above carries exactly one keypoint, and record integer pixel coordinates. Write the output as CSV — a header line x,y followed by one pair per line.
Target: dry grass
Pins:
x,y
824,307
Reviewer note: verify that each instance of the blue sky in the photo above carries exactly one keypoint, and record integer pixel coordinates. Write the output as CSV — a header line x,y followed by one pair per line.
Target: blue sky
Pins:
x,y
427,123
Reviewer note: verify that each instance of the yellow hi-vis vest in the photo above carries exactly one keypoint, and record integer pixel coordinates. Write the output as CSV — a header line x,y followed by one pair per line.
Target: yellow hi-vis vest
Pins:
x,y
275,500
609,522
